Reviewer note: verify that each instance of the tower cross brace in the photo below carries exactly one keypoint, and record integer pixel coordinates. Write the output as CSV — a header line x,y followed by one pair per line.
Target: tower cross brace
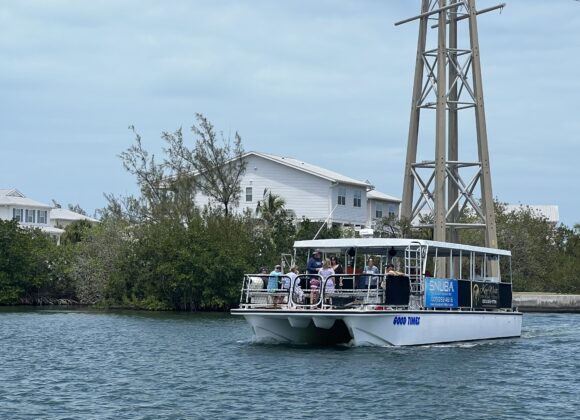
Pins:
x,y
448,80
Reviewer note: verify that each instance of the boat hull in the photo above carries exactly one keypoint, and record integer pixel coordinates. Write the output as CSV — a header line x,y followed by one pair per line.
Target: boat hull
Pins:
x,y
380,328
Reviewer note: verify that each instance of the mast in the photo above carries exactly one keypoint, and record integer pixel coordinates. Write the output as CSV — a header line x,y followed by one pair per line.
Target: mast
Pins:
x,y
448,80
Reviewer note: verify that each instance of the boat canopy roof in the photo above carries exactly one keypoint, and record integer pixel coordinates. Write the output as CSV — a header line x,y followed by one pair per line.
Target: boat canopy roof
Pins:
x,y
382,245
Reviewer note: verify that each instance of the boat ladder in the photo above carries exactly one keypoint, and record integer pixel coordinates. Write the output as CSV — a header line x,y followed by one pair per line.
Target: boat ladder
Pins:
x,y
414,256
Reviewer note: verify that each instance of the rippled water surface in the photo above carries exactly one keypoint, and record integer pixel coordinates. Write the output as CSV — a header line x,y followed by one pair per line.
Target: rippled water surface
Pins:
x,y
80,364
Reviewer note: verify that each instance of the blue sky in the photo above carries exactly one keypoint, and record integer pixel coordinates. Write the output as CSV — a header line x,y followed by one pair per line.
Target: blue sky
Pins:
x,y
328,82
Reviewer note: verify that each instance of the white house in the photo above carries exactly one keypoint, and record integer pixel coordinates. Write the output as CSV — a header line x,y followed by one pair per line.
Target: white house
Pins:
x,y
311,191
27,212
34,214
550,212
382,205
63,217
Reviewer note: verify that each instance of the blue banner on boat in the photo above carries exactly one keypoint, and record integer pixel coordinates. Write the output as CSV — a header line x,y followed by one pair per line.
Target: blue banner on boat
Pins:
x,y
440,293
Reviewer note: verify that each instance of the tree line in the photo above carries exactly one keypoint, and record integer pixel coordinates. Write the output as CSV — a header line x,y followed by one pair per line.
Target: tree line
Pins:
x,y
158,250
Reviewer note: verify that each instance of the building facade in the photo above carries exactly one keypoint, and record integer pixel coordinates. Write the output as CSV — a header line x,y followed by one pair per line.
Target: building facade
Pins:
x,y
33,214
311,191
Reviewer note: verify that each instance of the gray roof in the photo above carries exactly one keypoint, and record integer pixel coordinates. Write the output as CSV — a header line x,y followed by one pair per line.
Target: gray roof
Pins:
x,y
13,197
13,192
377,195
312,169
65,214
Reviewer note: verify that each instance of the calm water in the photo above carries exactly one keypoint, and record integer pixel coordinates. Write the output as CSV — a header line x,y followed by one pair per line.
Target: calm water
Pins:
x,y
78,364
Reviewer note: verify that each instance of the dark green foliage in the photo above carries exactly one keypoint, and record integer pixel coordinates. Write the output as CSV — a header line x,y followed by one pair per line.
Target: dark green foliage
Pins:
x,y
159,251
545,257
75,232
275,229
193,267
307,230
31,267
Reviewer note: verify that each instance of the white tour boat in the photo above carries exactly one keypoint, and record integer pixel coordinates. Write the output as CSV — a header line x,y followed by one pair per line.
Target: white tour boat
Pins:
x,y
438,293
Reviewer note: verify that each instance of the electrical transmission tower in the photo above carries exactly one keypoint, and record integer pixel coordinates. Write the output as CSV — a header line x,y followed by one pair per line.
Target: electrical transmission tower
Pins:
x,y
448,81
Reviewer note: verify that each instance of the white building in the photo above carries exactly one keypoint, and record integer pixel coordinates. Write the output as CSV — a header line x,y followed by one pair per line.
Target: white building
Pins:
x,y
34,214
27,212
550,212
311,191
63,217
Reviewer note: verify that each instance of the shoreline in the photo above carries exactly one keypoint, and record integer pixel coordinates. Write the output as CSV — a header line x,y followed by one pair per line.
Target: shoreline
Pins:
x,y
523,301
546,302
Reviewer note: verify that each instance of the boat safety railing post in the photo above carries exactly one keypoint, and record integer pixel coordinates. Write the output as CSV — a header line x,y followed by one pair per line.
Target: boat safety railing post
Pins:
x,y
471,266
451,267
484,266
471,295
244,285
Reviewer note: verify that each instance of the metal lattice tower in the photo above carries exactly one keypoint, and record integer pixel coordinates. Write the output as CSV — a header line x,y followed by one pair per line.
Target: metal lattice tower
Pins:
x,y
448,80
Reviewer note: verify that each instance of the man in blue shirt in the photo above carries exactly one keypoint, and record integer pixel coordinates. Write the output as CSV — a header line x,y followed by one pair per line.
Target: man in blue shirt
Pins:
x,y
370,268
314,263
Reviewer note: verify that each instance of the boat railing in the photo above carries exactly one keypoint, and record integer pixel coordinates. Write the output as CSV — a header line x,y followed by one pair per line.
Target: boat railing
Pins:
x,y
311,291
255,291
356,291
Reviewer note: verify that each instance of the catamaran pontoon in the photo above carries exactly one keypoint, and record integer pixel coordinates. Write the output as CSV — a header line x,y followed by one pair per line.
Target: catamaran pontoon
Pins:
x,y
460,301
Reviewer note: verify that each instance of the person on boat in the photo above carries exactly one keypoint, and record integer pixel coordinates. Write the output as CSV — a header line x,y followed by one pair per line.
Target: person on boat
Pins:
x,y
295,288
370,268
286,281
316,283
326,271
273,282
336,265
314,263
313,267
390,271
338,269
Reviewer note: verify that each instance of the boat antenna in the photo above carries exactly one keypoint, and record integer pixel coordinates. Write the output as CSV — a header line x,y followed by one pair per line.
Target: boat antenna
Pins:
x,y
325,221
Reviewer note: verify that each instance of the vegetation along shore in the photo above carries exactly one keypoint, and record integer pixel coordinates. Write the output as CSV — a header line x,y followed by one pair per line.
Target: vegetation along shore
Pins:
x,y
160,251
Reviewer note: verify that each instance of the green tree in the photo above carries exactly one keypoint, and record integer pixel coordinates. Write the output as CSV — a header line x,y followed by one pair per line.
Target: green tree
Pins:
x,y
271,207
307,229
278,228
99,261
76,232
216,161
30,270
175,256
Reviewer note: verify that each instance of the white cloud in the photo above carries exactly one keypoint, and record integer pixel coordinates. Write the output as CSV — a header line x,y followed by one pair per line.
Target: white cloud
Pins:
x,y
298,78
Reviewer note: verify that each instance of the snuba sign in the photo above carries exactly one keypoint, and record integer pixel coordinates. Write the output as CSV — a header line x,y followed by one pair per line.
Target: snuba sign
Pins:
x,y
441,293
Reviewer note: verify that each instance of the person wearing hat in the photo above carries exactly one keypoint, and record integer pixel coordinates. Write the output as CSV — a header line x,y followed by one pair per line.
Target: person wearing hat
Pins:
x,y
314,262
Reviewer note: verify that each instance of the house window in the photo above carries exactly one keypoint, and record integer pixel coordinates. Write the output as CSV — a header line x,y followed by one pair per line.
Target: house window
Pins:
x,y
379,210
29,216
357,199
41,216
392,210
18,214
342,196
248,193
